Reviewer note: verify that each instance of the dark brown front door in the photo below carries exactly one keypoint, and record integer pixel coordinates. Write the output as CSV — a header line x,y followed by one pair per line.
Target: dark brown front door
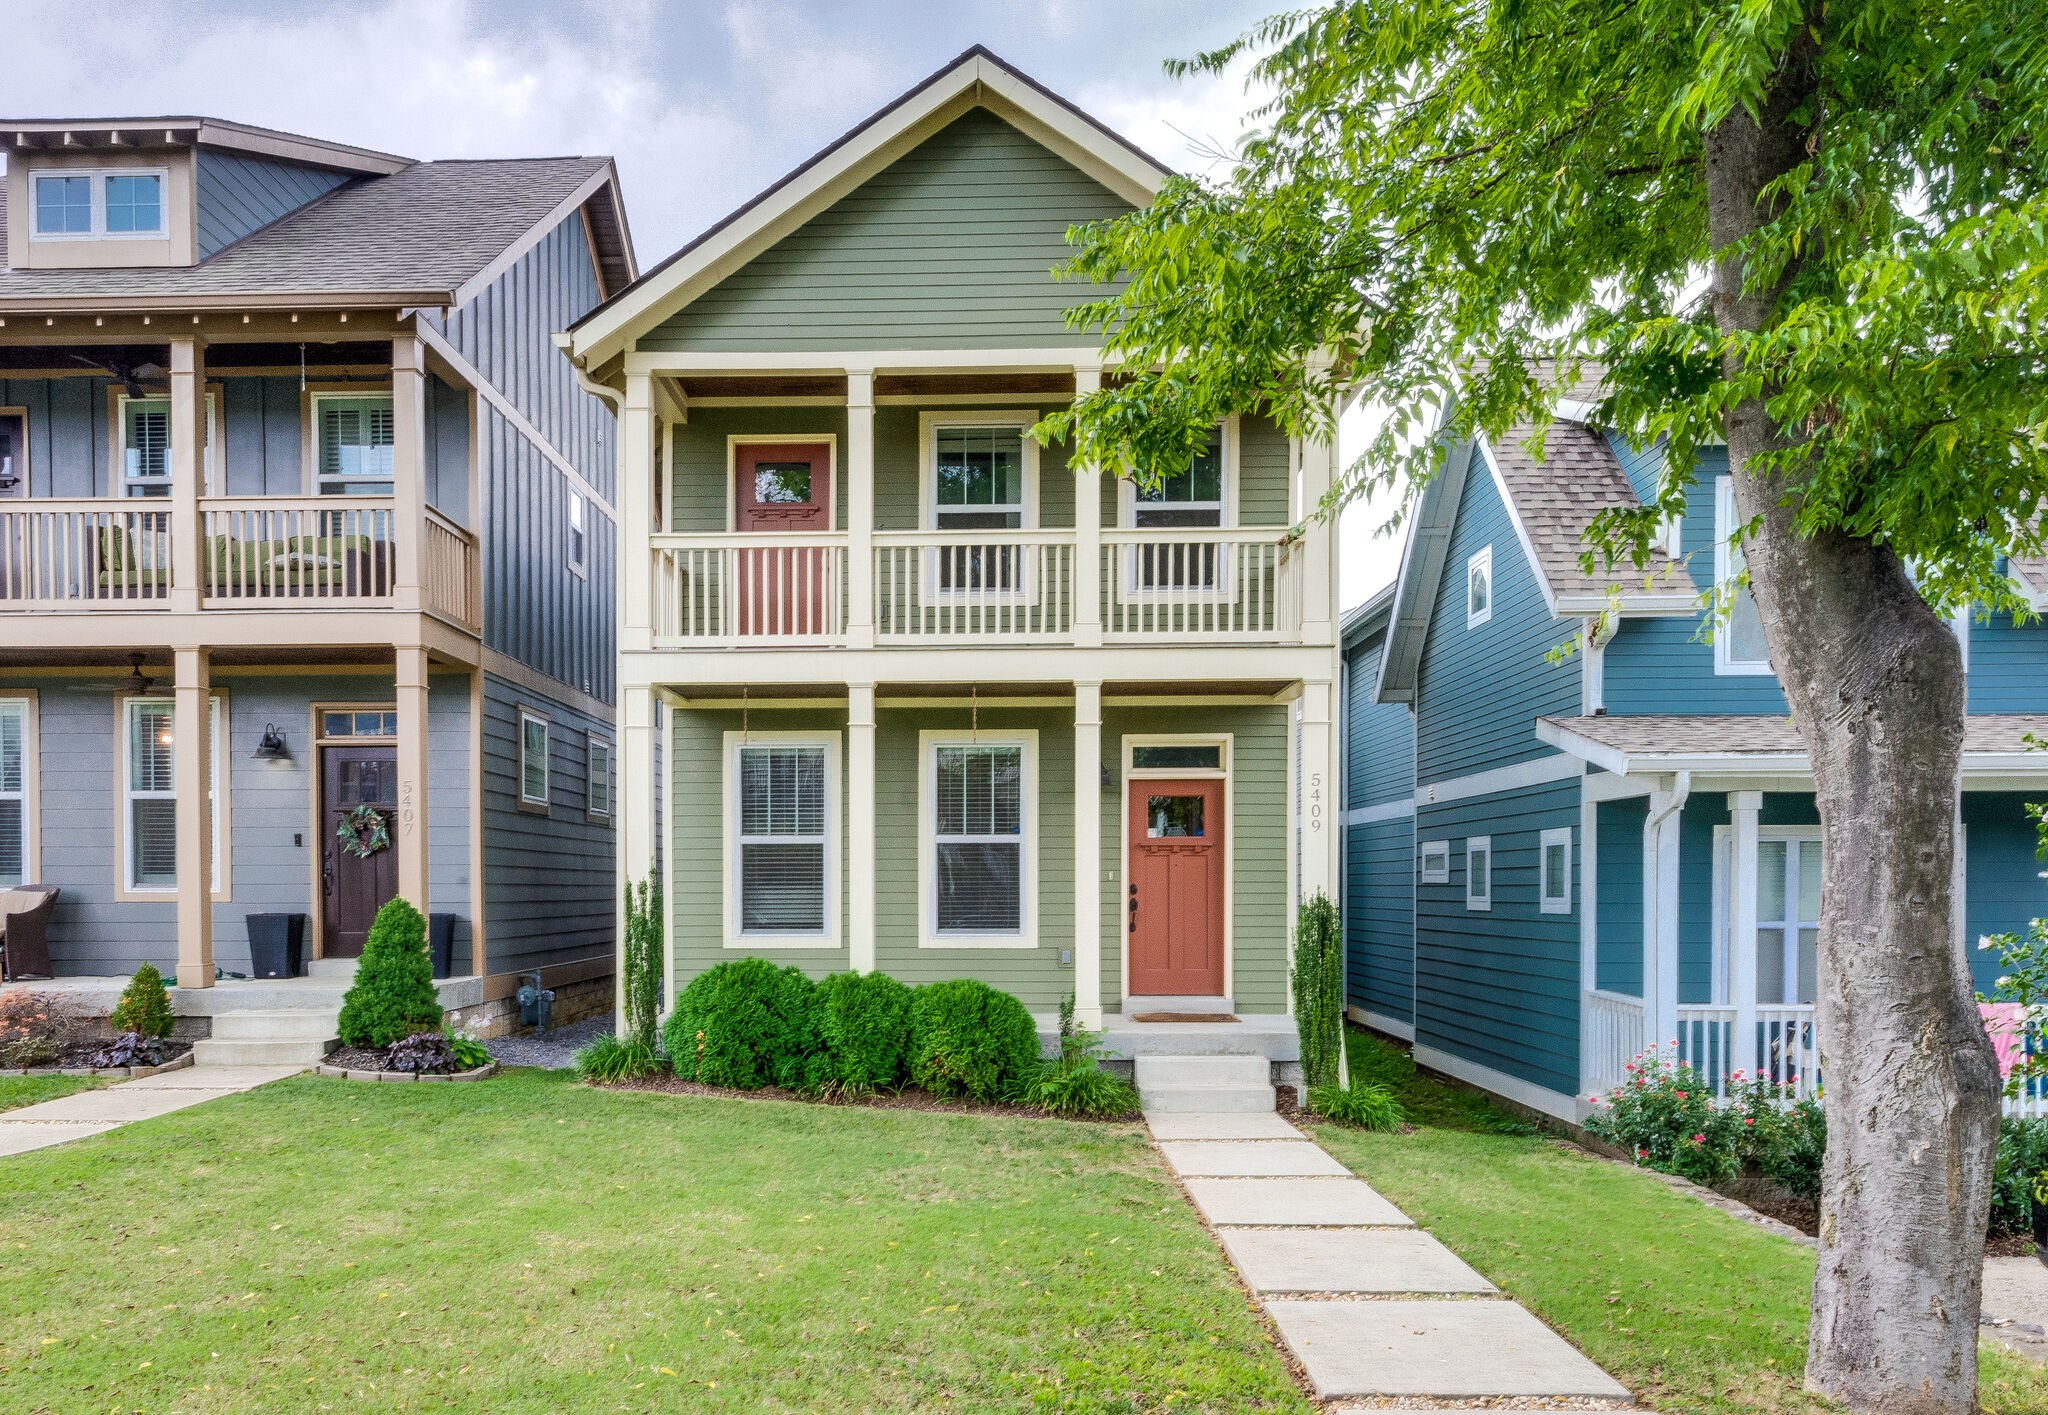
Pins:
x,y
1173,906
356,887
784,488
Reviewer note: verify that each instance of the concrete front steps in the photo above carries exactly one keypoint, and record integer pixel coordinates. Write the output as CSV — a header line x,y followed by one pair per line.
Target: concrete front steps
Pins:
x,y
1205,1085
271,1036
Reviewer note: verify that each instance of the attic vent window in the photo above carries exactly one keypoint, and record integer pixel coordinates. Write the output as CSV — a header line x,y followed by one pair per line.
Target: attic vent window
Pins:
x,y
100,205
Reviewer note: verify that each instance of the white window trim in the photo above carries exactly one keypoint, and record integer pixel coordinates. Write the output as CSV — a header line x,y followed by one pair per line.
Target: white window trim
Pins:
x,y
592,745
1724,570
1545,901
543,801
1480,560
1480,901
126,888
97,186
929,424
1129,590
335,395
118,477
928,743
30,794
576,535
1439,870
829,936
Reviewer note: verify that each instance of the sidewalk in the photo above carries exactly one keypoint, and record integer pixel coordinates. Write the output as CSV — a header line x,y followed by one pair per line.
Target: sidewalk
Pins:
x,y
74,1117
1372,1307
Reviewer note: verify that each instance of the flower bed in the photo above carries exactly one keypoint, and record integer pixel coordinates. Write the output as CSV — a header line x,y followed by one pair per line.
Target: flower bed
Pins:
x,y
350,1073
178,1056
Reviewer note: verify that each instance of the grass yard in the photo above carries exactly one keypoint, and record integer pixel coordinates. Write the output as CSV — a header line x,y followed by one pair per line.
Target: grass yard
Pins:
x,y
17,1091
528,1244
1693,1309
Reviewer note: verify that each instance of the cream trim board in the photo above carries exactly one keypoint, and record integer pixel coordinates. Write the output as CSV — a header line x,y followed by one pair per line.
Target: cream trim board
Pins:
x,y
1547,900
928,743
28,702
1514,1088
735,937
1128,774
1514,514
1479,576
1433,862
1479,873
544,802
737,440
117,441
930,424
223,790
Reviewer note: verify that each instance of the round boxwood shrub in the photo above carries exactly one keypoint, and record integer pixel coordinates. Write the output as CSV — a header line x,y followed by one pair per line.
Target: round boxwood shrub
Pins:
x,y
746,1024
864,1026
966,1038
393,995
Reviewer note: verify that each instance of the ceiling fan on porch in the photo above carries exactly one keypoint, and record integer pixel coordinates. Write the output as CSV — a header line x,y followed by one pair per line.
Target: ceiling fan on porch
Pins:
x,y
136,685
132,376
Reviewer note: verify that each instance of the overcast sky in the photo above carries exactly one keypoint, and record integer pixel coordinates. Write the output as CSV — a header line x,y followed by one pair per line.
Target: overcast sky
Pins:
x,y
702,102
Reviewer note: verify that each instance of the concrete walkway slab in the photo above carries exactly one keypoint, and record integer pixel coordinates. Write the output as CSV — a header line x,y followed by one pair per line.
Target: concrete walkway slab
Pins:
x,y
213,1078
1348,1260
1249,1158
1170,1125
116,1105
19,1139
1295,1203
1443,1349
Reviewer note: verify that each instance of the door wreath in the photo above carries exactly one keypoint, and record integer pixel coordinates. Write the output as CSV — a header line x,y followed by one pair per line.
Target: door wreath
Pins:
x,y
363,832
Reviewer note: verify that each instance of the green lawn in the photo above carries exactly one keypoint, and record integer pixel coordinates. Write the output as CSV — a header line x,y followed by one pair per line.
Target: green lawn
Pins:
x,y
17,1090
1691,1308
528,1244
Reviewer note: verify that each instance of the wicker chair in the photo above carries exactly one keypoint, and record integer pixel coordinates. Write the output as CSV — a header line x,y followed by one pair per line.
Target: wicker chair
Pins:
x,y
25,931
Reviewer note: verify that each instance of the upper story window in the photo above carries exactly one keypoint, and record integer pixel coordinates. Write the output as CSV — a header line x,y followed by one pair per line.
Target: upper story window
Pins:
x,y
533,761
13,452
144,424
356,439
88,205
1739,639
978,478
578,536
1479,588
1190,497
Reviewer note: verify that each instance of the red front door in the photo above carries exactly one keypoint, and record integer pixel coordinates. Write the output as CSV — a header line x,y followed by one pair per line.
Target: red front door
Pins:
x,y
784,488
1173,905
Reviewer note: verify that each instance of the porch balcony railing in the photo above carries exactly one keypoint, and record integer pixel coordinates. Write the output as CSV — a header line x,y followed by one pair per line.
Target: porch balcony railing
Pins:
x,y
59,555
451,572
334,551
1013,585
1786,1053
725,590
1197,584
1614,1038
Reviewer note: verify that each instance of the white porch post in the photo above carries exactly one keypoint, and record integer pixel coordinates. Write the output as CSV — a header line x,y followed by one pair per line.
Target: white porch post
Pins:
x,y
188,478
192,774
1087,597
408,474
1660,911
637,788
1742,868
637,473
1318,566
1088,854
860,511
1318,752
411,844
860,827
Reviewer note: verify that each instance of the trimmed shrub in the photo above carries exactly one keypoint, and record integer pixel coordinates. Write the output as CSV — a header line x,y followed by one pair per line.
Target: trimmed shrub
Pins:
x,y
746,1024
1319,990
145,1005
393,994
864,1027
966,1038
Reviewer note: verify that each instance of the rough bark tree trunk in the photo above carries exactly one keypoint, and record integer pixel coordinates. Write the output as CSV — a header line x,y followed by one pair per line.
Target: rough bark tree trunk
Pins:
x,y
1875,683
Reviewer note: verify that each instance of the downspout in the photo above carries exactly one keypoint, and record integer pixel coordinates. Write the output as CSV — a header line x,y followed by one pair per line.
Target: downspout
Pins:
x,y
1660,911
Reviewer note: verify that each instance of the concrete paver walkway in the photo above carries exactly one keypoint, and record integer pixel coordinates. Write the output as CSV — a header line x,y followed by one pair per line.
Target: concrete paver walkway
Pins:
x,y
85,1113
1372,1307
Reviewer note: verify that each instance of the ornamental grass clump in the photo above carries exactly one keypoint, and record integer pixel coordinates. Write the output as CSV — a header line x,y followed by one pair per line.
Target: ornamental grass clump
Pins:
x,y
1074,1083
1664,1115
968,1039
612,1058
747,1024
863,1025
393,995
145,1005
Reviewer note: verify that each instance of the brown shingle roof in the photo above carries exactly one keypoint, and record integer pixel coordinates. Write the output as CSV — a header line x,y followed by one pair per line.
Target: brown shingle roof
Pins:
x,y
1557,498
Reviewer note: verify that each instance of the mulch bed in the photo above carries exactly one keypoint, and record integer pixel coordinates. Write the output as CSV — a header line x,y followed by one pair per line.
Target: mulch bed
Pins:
x,y
357,1058
81,1053
910,1098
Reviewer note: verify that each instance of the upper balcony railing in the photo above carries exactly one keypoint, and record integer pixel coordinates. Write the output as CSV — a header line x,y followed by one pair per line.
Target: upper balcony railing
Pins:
x,y
933,589
266,552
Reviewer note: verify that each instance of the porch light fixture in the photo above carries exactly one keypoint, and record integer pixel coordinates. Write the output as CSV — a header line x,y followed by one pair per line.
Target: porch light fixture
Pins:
x,y
272,748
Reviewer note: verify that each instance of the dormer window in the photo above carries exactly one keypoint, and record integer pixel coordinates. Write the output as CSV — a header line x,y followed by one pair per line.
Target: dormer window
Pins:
x,y
75,206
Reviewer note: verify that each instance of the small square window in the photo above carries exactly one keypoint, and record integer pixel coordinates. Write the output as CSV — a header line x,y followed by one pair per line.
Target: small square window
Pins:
x,y
1479,588
135,205
1479,872
533,759
63,206
1554,868
1434,858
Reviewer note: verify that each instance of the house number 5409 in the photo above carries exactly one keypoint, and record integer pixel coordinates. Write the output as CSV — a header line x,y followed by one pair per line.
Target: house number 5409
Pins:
x,y
1315,800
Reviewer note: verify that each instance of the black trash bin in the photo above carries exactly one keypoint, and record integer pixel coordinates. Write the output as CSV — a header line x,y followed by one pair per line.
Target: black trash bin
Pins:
x,y
277,945
441,938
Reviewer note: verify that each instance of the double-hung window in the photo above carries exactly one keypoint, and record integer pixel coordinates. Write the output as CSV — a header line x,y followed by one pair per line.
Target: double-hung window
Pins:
x,y
598,799
1787,918
979,862
1554,871
978,484
14,792
122,206
533,761
150,794
147,467
1189,499
782,865
1479,872
356,438
1739,636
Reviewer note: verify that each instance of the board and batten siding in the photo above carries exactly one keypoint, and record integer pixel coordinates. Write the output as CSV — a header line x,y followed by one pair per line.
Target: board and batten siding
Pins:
x,y
548,875
1379,853
1480,690
239,194
1500,987
951,246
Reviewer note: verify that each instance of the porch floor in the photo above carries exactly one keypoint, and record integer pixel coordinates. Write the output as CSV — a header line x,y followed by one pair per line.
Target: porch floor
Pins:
x,y
1270,1035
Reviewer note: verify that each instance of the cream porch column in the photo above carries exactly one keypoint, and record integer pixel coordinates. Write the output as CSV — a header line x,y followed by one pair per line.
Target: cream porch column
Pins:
x,y
1318,791
1087,597
1743,807
1660,911
637,471
1088,854
860,827
1318,578
411,841
860,509
192,774
188,477
408,479
637,789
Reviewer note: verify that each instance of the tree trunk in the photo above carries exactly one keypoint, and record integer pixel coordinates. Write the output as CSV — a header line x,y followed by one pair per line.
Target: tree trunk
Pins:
x,y
1875,683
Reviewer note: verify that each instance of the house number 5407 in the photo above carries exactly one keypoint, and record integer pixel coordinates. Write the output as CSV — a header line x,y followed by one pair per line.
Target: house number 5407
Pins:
x,y
408,811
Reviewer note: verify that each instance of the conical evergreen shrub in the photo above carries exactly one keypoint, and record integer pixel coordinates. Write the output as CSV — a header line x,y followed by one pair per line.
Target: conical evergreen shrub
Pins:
x,y
145,1005
393,995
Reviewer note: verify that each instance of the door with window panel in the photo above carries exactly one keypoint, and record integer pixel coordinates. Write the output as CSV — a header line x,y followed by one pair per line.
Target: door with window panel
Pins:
x,y
978,840
978,485
781,889
1173,904
1189,499
784,489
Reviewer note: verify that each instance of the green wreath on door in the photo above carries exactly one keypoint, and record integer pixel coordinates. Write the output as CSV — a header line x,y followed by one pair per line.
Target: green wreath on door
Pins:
x,y
363,832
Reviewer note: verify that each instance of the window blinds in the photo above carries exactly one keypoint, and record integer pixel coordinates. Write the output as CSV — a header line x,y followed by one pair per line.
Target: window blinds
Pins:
x,y
782,839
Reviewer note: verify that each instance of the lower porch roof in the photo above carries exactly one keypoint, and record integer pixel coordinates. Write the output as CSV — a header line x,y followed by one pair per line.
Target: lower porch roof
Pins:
x,y
1653,745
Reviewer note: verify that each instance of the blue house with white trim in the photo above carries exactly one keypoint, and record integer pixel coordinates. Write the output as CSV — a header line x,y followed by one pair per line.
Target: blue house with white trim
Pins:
x,y
1566,805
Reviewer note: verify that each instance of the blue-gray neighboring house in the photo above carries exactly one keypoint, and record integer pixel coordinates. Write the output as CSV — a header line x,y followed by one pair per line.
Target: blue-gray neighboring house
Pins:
x,y
287,450
1555,860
